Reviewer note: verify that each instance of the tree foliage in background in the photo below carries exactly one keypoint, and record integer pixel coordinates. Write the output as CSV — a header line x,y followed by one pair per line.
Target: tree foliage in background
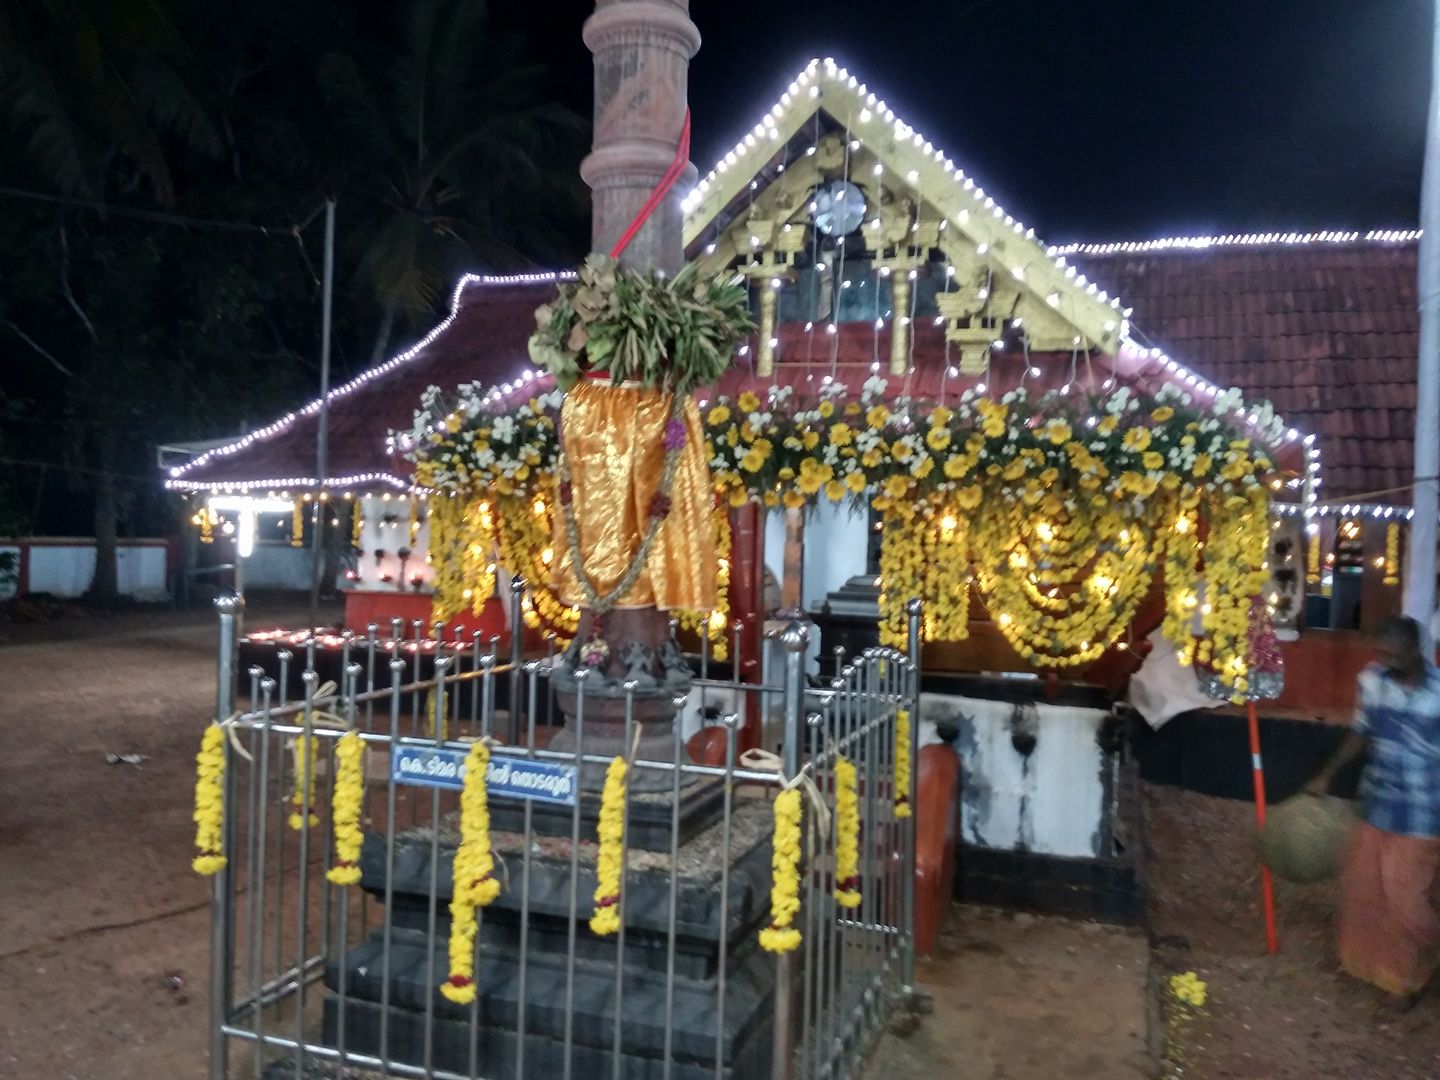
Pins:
x,y
423,120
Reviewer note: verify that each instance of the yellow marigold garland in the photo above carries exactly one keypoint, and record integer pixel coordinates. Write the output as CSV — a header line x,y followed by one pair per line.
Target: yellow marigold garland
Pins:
x,y
473,882
609,870
210,803
461,547
297,522
346,807
1042,492
525,539
438,715
902,764
304,750
1392,554
715,624
780,935
847,833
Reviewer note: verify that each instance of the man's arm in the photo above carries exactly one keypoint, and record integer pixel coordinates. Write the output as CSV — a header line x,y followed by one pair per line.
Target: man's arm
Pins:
x,y
1351,747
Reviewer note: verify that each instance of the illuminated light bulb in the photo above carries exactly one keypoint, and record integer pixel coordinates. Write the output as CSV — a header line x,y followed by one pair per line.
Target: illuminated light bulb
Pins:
x,y
948,522
1034,372
1005,618
878,169
979,387
981,249
547,556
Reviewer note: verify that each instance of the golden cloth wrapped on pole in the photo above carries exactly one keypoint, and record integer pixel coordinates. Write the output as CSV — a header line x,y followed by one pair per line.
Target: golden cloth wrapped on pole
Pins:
x,y
614,437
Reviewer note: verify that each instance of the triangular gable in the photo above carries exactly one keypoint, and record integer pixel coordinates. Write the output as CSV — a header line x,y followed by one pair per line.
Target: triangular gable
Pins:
x,y
753,209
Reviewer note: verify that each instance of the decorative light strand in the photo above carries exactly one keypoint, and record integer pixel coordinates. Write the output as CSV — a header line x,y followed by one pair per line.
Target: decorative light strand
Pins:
x,y
370,374
810,86
1265,239
357,480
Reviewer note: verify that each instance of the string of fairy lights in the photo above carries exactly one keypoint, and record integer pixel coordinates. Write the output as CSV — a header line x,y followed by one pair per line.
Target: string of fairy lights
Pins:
x,y
857,108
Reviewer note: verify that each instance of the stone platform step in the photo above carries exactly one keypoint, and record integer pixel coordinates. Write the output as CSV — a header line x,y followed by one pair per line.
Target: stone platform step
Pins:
x,y
416,972
700,865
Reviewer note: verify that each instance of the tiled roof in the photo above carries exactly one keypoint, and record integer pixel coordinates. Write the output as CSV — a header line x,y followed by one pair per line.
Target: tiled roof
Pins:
x,y
1327,332
485,341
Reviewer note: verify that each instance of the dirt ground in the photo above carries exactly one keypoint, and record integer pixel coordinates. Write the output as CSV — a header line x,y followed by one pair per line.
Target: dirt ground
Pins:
x,y
104,932
1289,1017
1018,997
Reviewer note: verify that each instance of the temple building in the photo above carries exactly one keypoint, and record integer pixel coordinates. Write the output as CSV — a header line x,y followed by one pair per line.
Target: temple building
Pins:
x,y
869,253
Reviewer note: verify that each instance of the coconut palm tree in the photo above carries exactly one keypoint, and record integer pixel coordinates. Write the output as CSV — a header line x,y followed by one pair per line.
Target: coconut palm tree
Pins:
x,y
93,88
455,156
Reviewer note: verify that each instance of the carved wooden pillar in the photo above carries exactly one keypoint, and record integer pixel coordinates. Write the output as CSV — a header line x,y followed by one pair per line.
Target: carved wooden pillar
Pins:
x,y
792,586
747,608
899,322
769,301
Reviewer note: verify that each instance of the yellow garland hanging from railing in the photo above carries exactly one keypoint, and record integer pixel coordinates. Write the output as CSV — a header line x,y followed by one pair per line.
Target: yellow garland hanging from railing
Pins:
x,y
303,747
357,524
438,713
297,522
473,882
900,784
609,859
346,805
210,803
847,833
780,935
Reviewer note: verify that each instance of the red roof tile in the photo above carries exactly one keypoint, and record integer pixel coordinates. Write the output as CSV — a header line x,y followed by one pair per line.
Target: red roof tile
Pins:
x,y
1327,332
485,341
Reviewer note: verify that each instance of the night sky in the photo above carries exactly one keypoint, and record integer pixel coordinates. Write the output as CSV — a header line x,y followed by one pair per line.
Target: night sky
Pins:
x,y
1101,120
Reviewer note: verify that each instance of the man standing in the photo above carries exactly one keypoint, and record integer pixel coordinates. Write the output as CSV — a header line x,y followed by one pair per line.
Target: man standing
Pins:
x,y
1388,928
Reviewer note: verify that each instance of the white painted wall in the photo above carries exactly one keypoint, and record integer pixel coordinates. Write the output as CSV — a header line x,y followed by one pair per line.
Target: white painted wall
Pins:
x,y
835,545
66,569
1052,802
274,564
8,588
377,534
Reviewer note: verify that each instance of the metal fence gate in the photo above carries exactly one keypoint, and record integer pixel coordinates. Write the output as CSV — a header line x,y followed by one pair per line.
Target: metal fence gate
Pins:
x,y
312,979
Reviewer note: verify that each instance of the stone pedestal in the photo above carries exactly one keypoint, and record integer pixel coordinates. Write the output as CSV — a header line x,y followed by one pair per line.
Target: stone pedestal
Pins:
x,y
418,963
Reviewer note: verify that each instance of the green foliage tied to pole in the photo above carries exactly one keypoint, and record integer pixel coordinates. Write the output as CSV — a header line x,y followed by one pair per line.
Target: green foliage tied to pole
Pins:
x,y
671,334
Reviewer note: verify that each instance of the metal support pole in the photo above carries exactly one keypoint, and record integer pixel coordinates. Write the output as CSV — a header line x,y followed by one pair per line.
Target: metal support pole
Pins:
x,y
913,610
517,652
221,945
322,426
1425,496
794,638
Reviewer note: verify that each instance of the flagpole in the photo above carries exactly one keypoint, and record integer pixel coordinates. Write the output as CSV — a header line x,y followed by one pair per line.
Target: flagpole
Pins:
x,y
1419,602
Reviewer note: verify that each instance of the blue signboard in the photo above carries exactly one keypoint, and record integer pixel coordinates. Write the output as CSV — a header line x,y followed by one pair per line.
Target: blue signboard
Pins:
x,y
518,778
